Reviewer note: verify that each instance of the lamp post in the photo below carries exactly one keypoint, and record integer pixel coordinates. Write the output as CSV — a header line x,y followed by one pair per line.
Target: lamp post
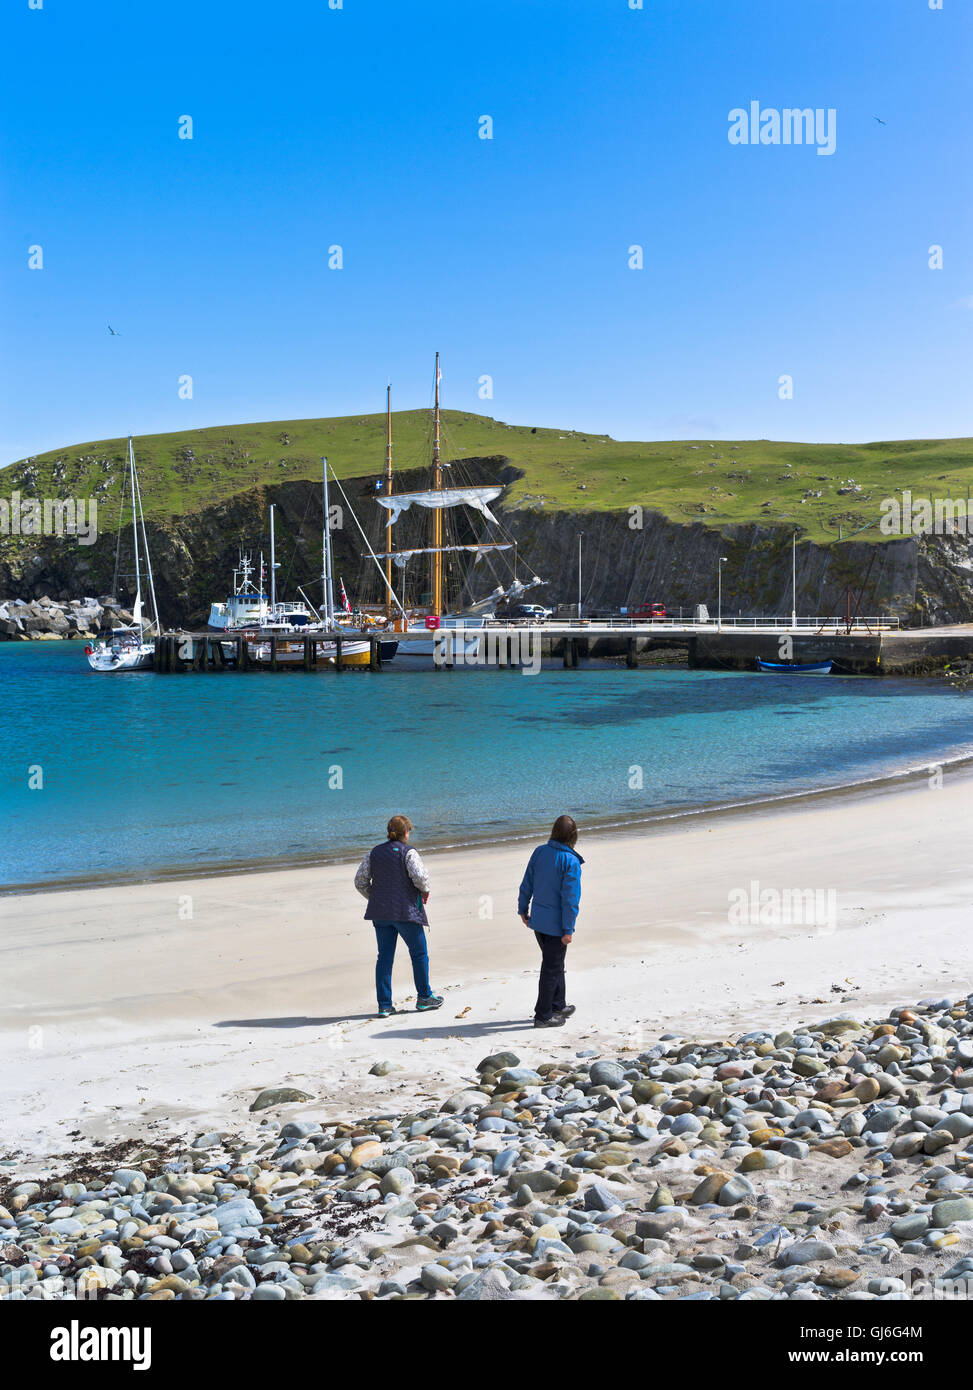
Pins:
x,y
794,580
719,594
580,534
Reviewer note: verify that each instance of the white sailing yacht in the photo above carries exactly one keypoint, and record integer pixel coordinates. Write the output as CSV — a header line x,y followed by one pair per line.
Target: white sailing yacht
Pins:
x,y
127,647
353,652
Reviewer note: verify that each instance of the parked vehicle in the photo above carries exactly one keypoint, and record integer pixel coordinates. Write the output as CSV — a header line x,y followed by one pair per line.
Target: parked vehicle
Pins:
x,y
648,612
533,612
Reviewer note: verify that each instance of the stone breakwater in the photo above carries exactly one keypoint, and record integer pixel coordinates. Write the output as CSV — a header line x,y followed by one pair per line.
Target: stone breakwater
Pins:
x,y
46,619
831,1162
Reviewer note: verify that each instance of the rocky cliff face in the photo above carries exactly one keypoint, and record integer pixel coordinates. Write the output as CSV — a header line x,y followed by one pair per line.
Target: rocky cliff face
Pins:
x,y
920,580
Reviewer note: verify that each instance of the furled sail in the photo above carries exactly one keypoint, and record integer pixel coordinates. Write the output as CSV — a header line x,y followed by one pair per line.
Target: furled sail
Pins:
x,y
490,602
476,497
401,556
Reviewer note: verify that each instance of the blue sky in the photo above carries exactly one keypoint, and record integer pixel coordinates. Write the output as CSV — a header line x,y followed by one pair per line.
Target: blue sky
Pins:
x,y
359,127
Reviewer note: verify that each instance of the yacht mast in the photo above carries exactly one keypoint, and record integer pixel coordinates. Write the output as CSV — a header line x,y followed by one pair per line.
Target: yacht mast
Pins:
x,y
388,492
437,514
135,536
328,582
273,563
145,543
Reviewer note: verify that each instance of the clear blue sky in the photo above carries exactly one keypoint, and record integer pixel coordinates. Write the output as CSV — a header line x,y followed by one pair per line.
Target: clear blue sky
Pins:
x,y
359,127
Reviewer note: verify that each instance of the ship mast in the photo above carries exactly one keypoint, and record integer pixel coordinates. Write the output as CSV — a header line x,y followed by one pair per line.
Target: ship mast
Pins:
x,y
437,513
388,492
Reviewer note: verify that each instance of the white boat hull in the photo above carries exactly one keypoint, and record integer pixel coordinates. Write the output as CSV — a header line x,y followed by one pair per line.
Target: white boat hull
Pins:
x,y
138,658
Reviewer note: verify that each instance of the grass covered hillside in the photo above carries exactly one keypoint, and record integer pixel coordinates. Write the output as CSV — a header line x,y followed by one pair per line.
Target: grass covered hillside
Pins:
x,y
816,487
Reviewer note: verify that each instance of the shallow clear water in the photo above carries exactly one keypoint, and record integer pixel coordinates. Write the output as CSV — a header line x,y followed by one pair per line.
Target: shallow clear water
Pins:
x,y
144,773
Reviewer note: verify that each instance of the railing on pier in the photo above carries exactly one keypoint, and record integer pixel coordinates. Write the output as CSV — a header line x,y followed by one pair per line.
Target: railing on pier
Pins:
x,y
830,624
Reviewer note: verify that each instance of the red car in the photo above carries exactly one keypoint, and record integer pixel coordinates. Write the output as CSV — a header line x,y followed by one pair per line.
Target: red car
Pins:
x,y
650,612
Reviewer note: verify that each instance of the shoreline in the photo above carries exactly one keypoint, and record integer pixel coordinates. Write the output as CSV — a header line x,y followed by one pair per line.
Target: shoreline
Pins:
x,y
126,1009
599,827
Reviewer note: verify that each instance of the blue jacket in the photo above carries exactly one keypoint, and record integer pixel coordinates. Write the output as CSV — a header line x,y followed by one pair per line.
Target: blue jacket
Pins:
x,y
551,889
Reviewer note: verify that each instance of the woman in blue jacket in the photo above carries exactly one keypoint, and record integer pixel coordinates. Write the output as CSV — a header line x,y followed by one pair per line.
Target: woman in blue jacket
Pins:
x,y
550,896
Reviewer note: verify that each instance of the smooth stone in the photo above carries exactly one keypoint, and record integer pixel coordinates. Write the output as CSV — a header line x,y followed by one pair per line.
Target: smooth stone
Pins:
x,y
611,1074
909,1227
397,1181
464,1100
437,1278
807,1252
735,1189
952,1209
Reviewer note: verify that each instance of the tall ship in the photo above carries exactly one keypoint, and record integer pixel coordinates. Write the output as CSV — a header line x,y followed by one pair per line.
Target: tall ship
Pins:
x,y
452,551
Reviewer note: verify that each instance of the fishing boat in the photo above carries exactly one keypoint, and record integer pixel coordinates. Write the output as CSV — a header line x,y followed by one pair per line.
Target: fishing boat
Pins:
x,y
442,499
796,668
247,606
128,647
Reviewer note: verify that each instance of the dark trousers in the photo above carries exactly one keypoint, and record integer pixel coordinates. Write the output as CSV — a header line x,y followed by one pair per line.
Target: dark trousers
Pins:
x,y
550,987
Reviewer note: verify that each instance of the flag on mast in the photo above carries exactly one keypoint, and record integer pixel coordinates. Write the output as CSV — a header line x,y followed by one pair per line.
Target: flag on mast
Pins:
x,y
344,597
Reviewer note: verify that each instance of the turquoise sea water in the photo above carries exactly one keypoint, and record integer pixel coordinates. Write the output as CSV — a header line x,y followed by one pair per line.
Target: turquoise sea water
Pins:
x,y
144,774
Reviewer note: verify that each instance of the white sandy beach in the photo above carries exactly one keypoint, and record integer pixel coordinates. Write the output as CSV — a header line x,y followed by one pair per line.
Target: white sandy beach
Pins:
x,y
120,1015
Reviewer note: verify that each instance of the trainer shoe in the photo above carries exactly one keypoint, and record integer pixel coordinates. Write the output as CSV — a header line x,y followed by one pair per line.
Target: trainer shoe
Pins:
x,y
386,1012
431,1001
566,1012
555,1021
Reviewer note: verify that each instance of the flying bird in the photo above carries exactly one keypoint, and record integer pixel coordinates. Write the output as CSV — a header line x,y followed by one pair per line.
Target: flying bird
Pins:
x,y
879,119
112,332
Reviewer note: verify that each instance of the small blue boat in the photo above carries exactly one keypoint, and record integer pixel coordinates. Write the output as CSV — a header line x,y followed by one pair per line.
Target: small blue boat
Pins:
x,y
796,668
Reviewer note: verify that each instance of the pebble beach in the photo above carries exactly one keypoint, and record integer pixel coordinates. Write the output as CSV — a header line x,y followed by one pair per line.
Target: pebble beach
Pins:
x,y
833,1161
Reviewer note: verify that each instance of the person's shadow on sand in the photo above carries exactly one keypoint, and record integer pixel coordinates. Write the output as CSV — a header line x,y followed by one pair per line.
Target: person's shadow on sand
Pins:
x,y
296,1022
461,1030
455,1030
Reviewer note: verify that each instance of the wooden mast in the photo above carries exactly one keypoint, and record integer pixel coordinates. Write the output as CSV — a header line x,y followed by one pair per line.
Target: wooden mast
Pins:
x,y
388,493
437,513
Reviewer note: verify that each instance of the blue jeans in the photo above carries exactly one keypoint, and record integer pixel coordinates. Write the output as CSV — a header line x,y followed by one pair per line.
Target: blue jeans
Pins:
x,y
414,936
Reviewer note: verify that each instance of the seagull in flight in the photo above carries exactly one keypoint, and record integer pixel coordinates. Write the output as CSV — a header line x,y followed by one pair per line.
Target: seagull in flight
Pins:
x,y
112,332
879,119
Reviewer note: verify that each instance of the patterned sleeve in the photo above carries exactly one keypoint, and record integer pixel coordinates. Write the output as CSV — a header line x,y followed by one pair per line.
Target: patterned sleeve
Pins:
x,y
363,878
417,870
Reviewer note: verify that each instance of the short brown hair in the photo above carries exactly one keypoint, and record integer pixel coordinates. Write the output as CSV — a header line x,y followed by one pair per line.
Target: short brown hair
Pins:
x,y
398,827
565,831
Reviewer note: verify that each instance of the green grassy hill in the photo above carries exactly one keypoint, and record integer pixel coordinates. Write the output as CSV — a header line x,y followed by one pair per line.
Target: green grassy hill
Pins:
x,y
817,487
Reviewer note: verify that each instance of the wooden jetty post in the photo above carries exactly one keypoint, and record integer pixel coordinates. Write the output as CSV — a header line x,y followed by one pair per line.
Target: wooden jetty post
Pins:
x,y
339,661
309,651
570,653
632,653
374,654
